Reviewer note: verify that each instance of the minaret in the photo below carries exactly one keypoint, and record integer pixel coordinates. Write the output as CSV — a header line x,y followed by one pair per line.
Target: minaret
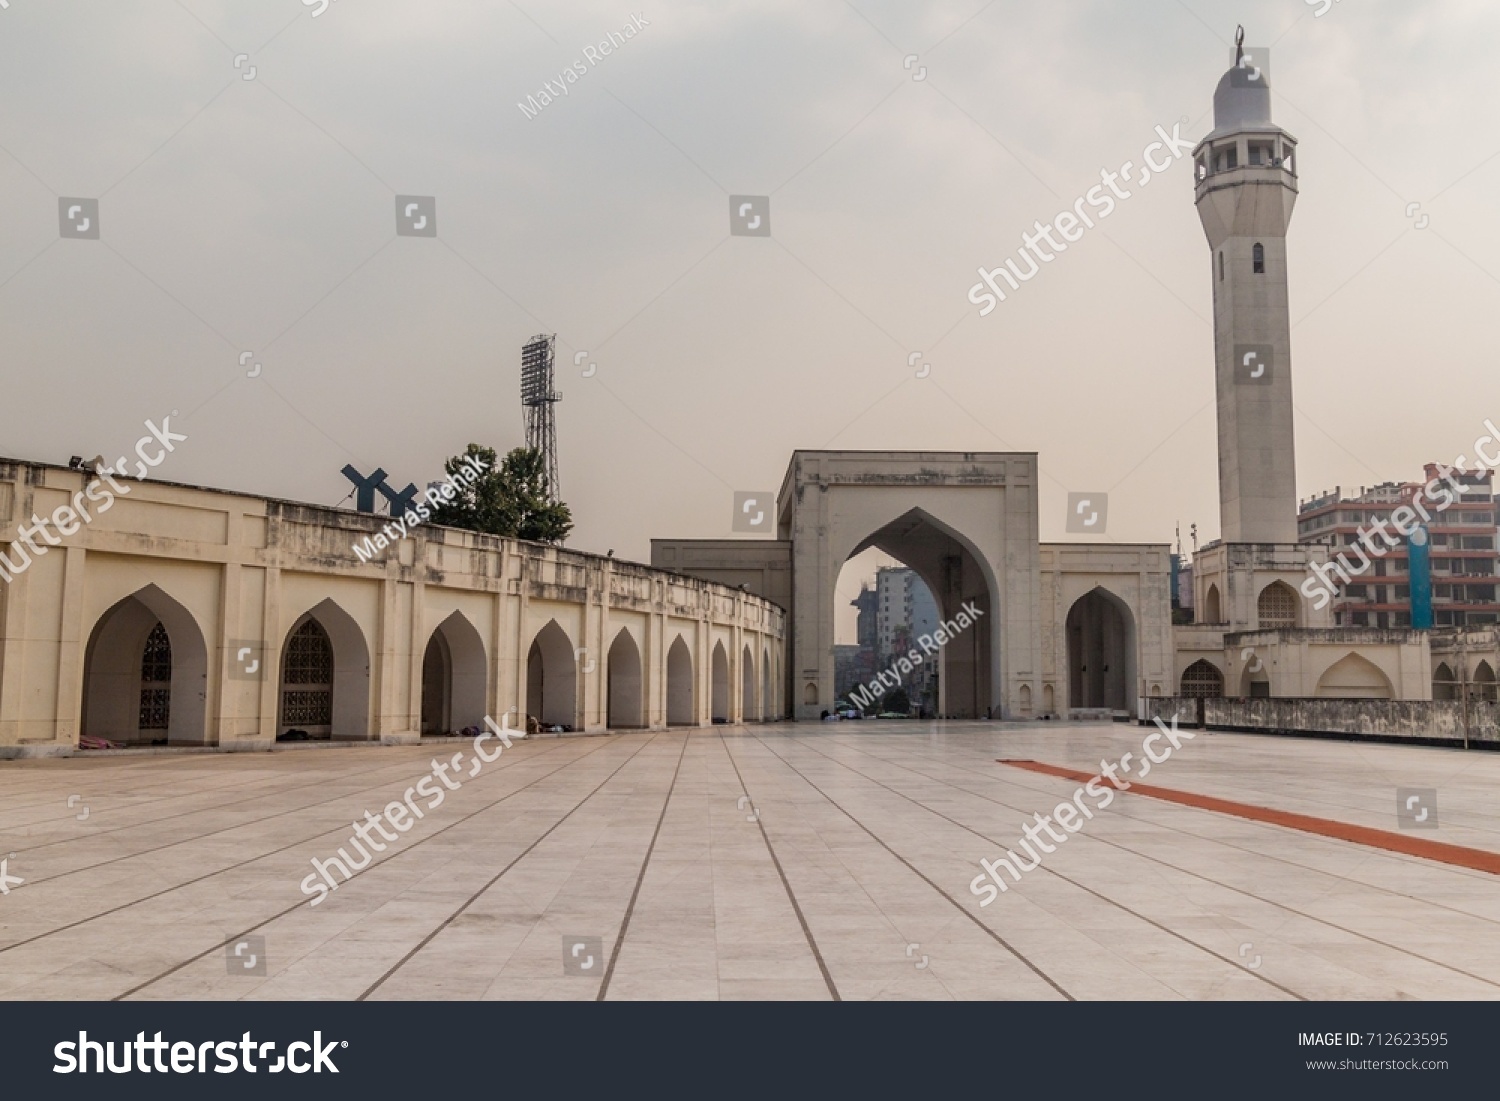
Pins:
x,y
1246,185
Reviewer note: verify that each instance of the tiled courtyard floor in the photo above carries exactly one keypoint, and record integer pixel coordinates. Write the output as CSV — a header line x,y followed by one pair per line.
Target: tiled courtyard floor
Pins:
x,y
781,861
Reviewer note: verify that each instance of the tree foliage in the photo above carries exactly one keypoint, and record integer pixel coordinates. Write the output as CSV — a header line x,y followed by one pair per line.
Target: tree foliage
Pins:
x,y
510,497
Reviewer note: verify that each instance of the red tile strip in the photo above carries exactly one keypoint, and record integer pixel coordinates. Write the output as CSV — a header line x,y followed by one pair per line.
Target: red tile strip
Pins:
x,y
1480,860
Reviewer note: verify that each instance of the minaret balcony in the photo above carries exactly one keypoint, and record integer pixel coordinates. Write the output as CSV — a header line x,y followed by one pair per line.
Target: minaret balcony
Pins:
x,y
1245,156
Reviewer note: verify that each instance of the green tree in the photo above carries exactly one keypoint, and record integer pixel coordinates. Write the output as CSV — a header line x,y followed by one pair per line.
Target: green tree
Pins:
x,y
509,498
898,701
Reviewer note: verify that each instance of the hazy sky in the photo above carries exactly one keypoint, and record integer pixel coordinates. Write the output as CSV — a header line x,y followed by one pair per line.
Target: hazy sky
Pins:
x,y
259,215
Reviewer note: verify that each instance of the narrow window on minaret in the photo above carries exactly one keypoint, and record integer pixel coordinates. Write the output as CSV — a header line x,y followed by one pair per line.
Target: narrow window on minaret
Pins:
x,y
1221,265
1259,256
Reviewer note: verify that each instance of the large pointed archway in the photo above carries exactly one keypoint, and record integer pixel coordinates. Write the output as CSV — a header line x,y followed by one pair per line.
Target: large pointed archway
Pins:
x,y
145,673
950,568
454,677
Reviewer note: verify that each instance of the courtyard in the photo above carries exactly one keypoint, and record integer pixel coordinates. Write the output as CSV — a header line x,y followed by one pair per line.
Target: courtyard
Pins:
x,y
782,861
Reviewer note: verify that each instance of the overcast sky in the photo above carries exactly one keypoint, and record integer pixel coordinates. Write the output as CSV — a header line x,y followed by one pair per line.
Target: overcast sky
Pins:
x,y
259,215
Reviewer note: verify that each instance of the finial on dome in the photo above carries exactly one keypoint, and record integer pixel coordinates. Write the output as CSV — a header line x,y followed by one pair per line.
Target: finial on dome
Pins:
x,y
1239,44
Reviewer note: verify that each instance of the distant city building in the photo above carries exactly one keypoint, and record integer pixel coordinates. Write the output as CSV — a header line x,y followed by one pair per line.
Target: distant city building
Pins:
x,y
1465,566
866,631
903,601
848,668
905,611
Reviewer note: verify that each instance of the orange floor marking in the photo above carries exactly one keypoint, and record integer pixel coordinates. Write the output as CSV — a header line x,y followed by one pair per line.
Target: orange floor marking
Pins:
x,y
1478,859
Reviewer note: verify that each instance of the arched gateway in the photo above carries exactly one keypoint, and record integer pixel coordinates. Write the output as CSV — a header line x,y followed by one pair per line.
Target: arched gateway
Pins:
x,y
968,524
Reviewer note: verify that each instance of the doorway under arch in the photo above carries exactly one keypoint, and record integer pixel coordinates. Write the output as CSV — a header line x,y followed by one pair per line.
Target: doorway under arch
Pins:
x,y
1101,652
325,676
552,678
145,675
454,677
719,696
959,678
625,703
681,699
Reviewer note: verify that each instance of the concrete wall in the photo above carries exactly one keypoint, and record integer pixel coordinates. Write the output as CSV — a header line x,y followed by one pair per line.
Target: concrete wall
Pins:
x,y
1334,662
1425,720
227,573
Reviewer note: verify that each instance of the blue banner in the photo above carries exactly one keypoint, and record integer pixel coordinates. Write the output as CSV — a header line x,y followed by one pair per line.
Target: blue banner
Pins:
x,y
1419,561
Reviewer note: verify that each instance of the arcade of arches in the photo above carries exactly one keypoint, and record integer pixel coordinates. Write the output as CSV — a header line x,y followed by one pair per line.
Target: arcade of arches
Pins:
x,y
236,621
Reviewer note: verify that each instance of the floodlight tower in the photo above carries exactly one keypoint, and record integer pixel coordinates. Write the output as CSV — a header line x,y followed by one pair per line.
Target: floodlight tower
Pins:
x,y
538,397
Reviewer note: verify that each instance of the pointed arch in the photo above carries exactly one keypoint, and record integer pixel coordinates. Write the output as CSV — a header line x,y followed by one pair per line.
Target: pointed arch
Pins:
x,y
681,698
455,677
325,675
625,705
956,574
552,678
125,648
719,694
1202,679
1212,613
1354,677
1484,682
1444,683
1277,606
1101,652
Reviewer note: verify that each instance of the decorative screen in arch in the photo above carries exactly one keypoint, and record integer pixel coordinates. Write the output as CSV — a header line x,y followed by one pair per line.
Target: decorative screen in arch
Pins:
x,y
307,692
156,680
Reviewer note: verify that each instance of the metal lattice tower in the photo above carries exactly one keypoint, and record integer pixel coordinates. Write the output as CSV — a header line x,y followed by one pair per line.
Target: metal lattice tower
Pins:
x,y
538,397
